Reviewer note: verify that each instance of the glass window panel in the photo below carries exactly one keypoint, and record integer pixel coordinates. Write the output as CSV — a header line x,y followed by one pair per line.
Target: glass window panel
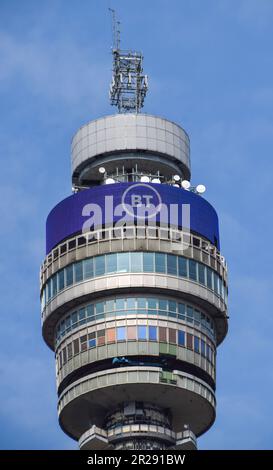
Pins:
x,y
182,267
110,305
123,262
141,302
142,332
69,275
76,346
136,263
112,263
120,304
82,314
192,270
189,314
172,264
196,344
172,335
67,322
131,333
172,306
152,333
162,334
92,343
54,285
74,317
203,348
216,283
61,279
152,303
99,265
163,304
99,307
90,311
49,289
181,309
160,263
88,268
201,273
148,262
181,338
121,333
209,278
189,341
208,352
131,302
78,273
69,351
111,335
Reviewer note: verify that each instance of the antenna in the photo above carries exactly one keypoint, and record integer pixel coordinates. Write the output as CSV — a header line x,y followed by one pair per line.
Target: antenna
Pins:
x,y
115,30
129,85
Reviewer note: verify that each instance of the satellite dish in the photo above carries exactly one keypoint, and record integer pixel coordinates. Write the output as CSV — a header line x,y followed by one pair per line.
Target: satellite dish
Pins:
x,y
145,179
176,178
109,181
185,184
156,180
102,170
200,188
176,185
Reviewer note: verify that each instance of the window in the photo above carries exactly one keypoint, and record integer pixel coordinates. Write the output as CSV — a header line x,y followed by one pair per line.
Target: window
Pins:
x,y
196,344
160,263
172,308
136,263
69,351
201,273
74,317
216,283
120,304
88,269
152,303
171,265
69,275
181,338
162,334
203,348
82,316
110,305
99,307
123,262
131,303
192,270
172,335
181,311
112,263
99,265
209,278
131,333
111,335
163,305
182,267
148,262
142,332
189,341
76,346
78,271
152,333
189,314
54,285
92,343
141,303
101,337
61,279
121,333
90,312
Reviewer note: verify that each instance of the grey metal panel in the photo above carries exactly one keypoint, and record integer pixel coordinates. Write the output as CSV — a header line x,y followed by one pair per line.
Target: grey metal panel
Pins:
x,y
130,132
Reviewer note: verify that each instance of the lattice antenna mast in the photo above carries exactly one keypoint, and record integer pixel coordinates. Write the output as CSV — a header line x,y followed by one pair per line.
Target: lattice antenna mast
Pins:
x,y
129,85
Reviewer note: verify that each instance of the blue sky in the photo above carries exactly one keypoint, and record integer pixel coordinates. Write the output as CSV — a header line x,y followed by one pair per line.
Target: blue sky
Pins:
x,y
210,68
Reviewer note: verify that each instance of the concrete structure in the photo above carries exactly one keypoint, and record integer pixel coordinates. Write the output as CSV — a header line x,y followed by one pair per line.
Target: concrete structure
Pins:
x,y
134,314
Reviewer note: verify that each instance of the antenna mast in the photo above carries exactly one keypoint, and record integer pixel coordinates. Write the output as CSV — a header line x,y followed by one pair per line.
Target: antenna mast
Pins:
x,y
129,85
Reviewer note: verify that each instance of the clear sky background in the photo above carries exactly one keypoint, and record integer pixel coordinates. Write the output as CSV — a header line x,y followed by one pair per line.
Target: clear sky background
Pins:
x,y
210,66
